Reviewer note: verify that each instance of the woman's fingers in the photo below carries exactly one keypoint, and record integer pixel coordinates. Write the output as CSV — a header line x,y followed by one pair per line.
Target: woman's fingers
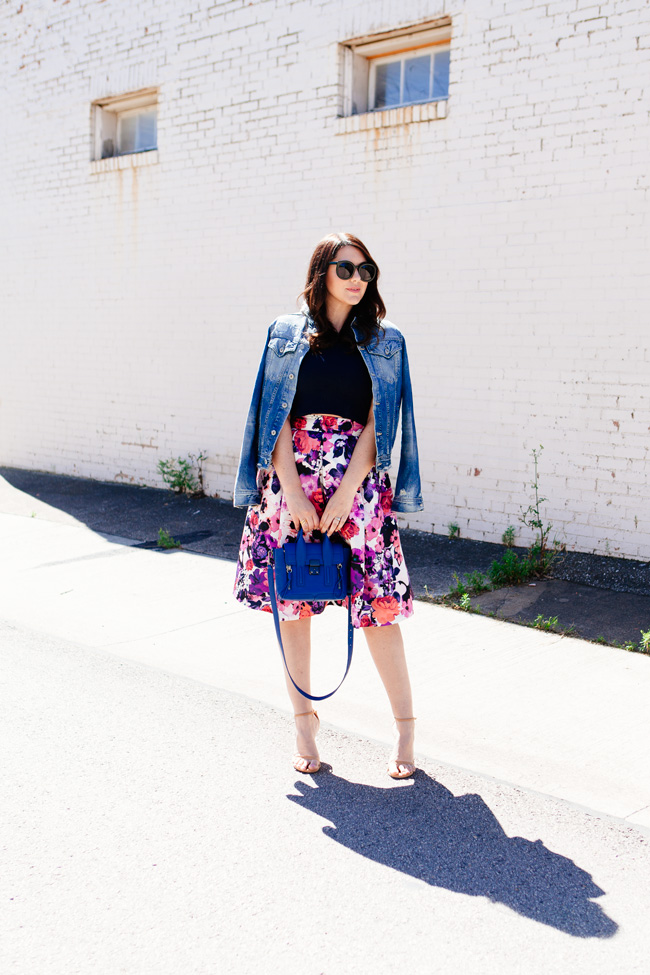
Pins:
x,y
332,524
333,519
308,524
305,516
335,515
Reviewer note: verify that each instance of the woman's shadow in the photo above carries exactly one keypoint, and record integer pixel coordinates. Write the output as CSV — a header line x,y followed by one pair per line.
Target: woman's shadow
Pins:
x,y
457,843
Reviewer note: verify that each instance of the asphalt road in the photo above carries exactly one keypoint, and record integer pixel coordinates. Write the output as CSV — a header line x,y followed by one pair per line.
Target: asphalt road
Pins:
x,y
153,824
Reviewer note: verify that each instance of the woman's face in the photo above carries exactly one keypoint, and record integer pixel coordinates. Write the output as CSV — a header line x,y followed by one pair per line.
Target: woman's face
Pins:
x,y
348,292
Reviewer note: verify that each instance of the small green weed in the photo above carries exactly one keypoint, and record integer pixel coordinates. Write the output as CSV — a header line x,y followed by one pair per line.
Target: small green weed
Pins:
x,y
471,583
179,474
510,570
539,553
476,582
644,643
465,602
542,624
459,588
165,540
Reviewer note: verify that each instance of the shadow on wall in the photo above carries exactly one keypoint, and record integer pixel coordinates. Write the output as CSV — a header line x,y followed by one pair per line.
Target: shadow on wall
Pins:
x,y
456,843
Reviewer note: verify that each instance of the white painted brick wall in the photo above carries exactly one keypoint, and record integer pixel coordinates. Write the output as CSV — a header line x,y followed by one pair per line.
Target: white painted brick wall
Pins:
x,y
512,237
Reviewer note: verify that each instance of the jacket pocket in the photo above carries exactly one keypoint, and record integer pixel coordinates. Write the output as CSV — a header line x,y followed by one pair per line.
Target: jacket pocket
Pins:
x,y
386,364
282,346
386,350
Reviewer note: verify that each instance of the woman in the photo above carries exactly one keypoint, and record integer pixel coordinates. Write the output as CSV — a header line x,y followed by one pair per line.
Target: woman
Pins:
x,y
316,452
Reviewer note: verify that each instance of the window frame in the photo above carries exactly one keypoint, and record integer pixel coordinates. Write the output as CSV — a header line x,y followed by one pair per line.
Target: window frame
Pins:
x,y
402,57
106,115
357,66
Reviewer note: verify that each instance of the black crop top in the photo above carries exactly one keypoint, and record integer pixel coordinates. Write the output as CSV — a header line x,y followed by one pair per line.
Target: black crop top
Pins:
x,y
335,380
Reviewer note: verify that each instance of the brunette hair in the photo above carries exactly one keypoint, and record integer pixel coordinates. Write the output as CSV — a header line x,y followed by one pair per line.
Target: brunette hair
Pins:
x,y
368,313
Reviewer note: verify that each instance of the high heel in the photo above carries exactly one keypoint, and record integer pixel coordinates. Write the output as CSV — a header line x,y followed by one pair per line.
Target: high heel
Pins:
x,y
398,769
310,759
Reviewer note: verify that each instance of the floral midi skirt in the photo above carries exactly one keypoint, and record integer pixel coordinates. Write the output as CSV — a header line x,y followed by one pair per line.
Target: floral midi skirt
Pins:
x,y
381,592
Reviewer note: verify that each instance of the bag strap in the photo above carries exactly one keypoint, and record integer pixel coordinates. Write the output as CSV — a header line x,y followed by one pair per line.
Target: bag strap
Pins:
x,y
276,620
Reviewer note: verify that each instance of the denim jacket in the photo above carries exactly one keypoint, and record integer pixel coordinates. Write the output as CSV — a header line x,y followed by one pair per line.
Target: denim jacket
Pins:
x,y
275,386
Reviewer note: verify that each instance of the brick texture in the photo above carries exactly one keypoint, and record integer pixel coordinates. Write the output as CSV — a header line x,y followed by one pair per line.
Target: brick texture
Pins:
x,y
511,230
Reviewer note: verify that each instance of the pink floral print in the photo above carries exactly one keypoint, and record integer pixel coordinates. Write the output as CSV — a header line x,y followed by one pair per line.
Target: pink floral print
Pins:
x,y
381,592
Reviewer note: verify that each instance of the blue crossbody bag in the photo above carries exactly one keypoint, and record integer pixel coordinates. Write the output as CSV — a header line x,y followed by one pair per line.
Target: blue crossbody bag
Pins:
x,y
307,572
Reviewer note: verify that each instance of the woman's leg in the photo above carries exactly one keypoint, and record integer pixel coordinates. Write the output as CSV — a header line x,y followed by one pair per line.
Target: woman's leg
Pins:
x,y
387,649
296,639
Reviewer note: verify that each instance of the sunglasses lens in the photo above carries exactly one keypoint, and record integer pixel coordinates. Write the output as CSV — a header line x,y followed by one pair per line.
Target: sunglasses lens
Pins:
x,y
345,269
367,272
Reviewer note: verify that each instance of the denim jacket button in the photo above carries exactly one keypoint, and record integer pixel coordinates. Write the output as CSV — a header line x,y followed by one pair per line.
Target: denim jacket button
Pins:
x,y
272,433
379,433
284,406
290,375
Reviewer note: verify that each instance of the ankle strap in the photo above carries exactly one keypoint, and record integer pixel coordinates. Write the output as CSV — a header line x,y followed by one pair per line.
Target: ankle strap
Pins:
x,y
302,713
405,719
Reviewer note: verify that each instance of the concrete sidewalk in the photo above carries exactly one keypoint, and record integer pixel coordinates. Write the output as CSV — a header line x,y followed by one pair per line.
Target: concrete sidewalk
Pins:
x,y
549,713
595,597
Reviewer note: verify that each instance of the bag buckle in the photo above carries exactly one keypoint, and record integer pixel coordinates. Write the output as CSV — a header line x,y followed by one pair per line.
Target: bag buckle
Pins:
x,y
314,567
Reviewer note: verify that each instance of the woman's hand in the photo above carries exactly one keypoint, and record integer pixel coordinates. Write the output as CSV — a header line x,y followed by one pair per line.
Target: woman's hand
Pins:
x,y
337,510
303,513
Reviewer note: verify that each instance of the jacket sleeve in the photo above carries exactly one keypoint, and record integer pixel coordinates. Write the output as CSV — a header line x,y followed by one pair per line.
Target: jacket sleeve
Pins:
x,y
246,490
408,491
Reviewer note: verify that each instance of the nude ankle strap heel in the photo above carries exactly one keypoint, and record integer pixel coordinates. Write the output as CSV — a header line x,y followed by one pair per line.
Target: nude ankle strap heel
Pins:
x,y
310,759
394,765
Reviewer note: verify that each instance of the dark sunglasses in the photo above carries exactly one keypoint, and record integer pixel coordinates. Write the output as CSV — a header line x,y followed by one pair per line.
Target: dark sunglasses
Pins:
x,y
346,269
